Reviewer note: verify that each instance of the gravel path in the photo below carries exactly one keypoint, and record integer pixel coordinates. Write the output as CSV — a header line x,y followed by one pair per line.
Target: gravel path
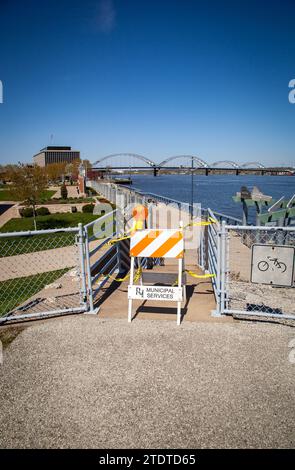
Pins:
x,y
84,382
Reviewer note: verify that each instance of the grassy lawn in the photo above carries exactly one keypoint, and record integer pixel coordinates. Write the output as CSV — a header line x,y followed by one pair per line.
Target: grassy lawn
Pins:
x,y
28,244
45,222
6,195
16,291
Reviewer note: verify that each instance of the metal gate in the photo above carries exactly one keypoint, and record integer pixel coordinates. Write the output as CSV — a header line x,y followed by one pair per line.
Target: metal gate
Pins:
x,y
42,273
238,295
102,261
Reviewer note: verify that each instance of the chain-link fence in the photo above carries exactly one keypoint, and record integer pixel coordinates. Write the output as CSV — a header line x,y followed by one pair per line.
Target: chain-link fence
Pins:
x,y
42,273
257,271
227,252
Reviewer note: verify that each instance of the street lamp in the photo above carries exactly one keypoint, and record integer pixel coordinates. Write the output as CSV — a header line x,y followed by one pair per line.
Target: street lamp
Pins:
x,y
192,190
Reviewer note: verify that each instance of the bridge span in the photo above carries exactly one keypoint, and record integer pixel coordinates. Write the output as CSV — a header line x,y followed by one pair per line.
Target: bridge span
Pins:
x,y
133,163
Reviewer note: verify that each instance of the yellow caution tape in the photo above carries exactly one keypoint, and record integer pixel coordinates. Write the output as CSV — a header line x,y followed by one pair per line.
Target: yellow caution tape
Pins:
x,y
199,276
123,237
116,240
210,221
121,279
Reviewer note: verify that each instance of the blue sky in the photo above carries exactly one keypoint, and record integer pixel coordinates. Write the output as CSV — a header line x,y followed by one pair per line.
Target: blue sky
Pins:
x,y
157,77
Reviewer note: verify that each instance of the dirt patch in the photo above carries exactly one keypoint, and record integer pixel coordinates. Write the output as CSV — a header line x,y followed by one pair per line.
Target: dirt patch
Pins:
x,y
262,298
8,334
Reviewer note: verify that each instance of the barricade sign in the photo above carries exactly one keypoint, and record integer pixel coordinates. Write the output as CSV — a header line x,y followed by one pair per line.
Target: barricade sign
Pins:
x,y
158,243
155,293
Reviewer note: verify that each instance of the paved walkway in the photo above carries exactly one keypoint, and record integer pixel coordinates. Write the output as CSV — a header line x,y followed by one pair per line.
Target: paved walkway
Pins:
x,y
85,382
199,304
72,191
11,213
44,261
200,300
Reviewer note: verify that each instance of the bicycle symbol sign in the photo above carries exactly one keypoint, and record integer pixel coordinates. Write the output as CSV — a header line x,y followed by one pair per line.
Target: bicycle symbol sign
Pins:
x,y
273,264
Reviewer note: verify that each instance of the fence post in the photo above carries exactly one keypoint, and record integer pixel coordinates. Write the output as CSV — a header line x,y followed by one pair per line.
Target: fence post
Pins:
x,y
206,247
82,264
217,313
89,278
222,267
151,215
119,229
201,248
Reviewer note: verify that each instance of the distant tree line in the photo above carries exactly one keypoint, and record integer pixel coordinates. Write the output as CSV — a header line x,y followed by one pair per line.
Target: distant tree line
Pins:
x,y
28,182
55,172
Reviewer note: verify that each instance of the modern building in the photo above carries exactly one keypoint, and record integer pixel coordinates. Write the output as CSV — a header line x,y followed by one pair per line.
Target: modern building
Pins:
x,y
55,154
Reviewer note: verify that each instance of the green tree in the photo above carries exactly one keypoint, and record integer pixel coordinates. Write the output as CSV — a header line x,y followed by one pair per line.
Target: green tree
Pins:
x,y
28,184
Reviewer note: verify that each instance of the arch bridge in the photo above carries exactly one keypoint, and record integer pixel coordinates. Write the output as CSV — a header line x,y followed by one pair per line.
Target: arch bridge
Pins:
x,y
127,162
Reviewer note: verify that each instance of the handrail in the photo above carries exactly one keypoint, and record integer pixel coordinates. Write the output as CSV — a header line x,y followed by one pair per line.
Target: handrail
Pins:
x,y
275,228
159,197
228,217
101,219
38,232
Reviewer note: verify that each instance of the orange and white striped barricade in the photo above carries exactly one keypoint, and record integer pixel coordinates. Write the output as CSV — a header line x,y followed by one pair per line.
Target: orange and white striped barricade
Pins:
x,y
157,243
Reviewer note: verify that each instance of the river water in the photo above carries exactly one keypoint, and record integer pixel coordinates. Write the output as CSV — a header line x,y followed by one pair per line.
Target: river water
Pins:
x,y
215,191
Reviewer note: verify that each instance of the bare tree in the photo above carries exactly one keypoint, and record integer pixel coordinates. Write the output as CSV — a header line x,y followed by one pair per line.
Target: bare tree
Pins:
x,y
6,171
87,164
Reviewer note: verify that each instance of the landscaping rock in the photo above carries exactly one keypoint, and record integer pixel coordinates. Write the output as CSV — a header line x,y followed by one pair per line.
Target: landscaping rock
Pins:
x,y
55,285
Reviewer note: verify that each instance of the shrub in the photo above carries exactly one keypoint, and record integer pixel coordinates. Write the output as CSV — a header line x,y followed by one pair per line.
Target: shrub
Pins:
x,y
88,209
64,192
42,211
91,191
47,224
26,212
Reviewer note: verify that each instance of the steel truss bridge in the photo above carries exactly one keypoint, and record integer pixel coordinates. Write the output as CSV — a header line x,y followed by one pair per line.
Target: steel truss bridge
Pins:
x,y
130,162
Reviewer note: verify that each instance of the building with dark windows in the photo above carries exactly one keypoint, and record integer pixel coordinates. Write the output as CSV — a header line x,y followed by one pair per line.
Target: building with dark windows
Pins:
x,y
55,154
